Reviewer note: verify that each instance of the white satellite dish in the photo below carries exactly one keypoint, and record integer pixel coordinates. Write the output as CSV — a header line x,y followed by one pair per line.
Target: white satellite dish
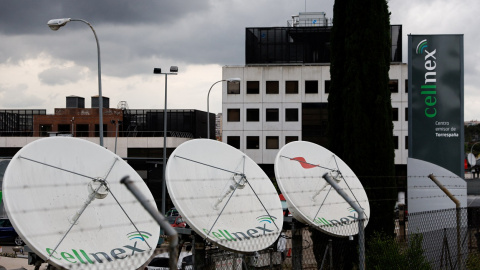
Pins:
x,y
48,197
299,167
471,159
224,195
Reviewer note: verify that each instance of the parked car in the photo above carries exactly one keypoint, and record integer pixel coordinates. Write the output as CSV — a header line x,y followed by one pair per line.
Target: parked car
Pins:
x,y
8,233
286,213
177,221
160,262
172,212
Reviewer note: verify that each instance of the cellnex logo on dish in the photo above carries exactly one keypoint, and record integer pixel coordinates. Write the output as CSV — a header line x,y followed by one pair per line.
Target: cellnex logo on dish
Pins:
x,y
81,256
429,89
223,234
347,220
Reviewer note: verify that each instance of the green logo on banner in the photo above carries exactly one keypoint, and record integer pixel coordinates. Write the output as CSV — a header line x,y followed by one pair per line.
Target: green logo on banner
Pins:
x,y
429,89
422,45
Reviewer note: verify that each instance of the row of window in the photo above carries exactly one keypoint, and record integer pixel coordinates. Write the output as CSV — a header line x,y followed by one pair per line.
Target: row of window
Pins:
x,y
291,115
395,142
273,142
395,114
291,87
271,115
80,130
253,142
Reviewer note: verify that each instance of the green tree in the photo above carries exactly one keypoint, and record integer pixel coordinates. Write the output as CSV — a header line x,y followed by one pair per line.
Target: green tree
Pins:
x,y
360,129
360,111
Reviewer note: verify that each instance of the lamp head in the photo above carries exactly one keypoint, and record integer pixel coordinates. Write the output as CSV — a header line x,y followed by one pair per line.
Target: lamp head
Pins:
x,y
55,24
173,69
157,71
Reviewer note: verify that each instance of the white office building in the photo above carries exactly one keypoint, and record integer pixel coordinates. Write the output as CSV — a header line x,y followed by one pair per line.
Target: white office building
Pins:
x,y
283,93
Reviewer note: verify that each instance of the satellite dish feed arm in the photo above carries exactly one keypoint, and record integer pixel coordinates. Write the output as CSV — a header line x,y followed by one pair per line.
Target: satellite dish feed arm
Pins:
x,y
172,234
74,219
361,215
352,203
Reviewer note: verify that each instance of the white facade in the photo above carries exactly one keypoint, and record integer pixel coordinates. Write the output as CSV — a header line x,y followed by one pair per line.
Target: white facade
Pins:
x,y
282,101
123,143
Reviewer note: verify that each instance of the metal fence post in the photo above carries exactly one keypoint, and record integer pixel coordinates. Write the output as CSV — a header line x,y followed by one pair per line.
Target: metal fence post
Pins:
x,y
457,206
297,239
330,246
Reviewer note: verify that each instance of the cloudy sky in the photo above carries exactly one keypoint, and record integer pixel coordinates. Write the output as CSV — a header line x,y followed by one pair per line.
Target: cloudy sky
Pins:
x,y
40,67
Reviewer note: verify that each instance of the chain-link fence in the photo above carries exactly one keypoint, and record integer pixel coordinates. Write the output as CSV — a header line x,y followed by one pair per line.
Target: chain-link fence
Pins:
x,y
425,240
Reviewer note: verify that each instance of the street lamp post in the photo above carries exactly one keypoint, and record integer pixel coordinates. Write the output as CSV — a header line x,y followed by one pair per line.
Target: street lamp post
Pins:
x,y
73,120
116,123
208,101
471,149
173,71
55,24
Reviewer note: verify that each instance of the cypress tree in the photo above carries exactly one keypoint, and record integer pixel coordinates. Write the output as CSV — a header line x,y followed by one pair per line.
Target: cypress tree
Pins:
x,y
360,129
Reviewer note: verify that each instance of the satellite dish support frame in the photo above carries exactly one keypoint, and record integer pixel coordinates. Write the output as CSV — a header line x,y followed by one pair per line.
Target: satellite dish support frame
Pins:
x,y
361,218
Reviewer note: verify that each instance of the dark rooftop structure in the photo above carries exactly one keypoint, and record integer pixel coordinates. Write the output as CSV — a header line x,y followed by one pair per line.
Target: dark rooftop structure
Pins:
x,y
305,41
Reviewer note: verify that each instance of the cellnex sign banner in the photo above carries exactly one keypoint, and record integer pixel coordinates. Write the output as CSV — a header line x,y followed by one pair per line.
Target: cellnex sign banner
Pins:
x,y
435,72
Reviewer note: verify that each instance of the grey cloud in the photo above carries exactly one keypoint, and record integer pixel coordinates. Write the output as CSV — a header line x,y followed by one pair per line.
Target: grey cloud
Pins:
x,y
133,34
16,97
30,16
61,76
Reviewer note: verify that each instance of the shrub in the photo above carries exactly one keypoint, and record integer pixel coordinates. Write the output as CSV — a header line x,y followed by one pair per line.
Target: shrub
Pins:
x,y
383,252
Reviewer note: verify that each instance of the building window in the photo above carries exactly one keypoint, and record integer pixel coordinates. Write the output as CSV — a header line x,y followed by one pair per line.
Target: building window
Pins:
x,y
44,130
394,114
406,142
272,142
406,86
327,86
81,130
271,115
253,142
395,142
289,139
393,86
233,115
272,87
253,87
97,130
311,87
314,119
291,115
234,141
64,128
291,87
406,114
233,88
253,115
